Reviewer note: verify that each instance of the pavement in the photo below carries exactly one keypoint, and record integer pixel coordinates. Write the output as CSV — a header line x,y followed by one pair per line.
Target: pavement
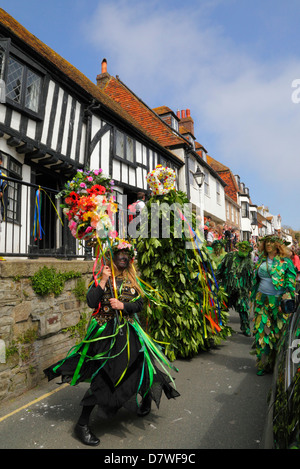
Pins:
x,y
222,405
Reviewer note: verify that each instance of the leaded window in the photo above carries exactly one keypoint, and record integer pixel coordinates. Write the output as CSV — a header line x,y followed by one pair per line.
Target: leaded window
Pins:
x,y
20,83
23,85
124,146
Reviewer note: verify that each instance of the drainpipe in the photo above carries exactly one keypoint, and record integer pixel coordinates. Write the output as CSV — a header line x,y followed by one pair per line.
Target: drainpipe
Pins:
x,y
187,172
87,160
88,115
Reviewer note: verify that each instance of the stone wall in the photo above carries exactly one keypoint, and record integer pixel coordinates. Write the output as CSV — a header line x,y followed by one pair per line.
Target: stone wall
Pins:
x,y
31,326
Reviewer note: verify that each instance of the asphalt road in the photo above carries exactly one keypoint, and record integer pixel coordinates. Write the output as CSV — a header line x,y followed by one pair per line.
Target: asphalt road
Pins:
x,y
223,405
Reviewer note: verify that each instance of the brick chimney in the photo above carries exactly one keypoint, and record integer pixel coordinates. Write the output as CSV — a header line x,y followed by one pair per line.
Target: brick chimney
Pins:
x,y
186,120
104,77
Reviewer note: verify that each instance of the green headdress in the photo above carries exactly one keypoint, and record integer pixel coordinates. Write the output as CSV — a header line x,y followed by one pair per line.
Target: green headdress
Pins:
x,y
274,239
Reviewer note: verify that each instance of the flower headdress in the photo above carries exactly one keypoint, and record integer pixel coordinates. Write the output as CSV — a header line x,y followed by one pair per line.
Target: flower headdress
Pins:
x,y
123,244
161,180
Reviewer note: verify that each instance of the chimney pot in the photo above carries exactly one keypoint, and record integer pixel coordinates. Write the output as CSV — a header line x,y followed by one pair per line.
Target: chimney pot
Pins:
x,y
188,113
178,114
104,66
182,114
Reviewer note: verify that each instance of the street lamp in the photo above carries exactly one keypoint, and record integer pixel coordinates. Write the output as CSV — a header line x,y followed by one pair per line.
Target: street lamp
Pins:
x,y
199,176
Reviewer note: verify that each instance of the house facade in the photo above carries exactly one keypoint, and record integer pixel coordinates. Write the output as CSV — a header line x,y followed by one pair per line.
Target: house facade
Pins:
x,y
53,121
208,198
232,205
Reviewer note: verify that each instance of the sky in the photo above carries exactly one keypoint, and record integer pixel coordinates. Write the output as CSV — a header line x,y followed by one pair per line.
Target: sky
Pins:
x,y
234,63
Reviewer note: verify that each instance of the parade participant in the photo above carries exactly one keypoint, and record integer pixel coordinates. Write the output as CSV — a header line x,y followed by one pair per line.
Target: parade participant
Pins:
x,y
192,316
210,236
274,280
117,357
227,236
235,275
295,259
218,253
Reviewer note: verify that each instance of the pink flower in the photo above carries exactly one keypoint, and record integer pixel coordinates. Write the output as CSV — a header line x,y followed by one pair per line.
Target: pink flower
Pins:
x,y
90,179
97,171
113,234
82,184
73,227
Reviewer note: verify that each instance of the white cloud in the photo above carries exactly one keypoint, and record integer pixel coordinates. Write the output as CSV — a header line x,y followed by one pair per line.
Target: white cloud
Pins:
x,y
178,58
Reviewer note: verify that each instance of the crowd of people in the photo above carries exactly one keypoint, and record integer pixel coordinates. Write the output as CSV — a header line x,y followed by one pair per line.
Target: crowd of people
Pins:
x,y
213,232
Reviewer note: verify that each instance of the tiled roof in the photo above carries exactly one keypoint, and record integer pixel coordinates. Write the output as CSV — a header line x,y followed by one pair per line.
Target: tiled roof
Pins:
x,y
225,173
53,59
163,110
145,116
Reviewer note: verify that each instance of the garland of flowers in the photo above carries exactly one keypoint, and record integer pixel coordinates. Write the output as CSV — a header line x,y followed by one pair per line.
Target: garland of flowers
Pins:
x,y
89,205
161,180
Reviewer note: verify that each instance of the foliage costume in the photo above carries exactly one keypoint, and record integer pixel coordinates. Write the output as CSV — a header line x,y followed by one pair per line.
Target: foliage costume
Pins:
x,y
190,315
268,317
235,275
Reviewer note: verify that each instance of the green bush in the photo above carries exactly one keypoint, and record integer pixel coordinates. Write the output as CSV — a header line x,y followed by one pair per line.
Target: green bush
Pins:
x,y
47,280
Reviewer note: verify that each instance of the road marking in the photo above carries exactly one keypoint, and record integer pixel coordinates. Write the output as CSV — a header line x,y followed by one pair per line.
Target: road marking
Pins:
x,y
33,402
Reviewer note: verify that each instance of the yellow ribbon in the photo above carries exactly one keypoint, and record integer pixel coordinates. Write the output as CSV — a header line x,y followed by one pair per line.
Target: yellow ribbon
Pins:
x,y
41,189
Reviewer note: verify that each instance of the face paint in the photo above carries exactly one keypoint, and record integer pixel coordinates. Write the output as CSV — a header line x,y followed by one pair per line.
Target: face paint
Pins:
x,y
121,260
243,251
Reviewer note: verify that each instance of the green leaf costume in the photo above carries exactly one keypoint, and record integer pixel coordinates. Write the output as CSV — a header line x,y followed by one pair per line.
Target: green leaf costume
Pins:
x,y
269,320
191,314
235,275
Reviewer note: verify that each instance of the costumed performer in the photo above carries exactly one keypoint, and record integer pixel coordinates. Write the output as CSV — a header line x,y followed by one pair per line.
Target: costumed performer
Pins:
x,y
174,260
116,356
274,280
235,274
218,253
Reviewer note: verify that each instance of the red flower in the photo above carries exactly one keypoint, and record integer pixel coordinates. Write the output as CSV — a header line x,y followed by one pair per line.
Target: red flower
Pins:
x,y
96,190
72,198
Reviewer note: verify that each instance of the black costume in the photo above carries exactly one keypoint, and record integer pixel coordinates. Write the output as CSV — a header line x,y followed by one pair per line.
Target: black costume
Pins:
x,y
118,359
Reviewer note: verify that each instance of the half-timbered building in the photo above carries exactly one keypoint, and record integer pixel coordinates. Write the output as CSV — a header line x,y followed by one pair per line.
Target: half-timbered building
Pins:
x,y
53,121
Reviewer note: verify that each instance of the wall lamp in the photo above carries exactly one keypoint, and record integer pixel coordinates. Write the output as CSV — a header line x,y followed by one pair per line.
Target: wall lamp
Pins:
x,y
199,176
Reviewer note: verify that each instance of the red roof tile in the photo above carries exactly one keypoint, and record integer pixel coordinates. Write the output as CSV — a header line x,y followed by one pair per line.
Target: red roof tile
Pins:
x,y
145,116
225,173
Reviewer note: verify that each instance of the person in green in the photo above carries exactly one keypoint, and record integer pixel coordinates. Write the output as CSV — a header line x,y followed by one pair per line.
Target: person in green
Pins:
x,y
218,253
235,273
274,280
